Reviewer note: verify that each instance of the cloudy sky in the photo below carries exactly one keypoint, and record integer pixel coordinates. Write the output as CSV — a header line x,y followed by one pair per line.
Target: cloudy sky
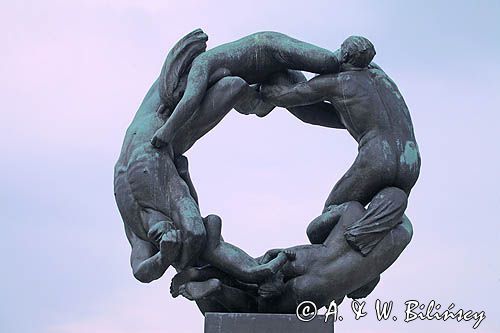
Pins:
x,y
73,74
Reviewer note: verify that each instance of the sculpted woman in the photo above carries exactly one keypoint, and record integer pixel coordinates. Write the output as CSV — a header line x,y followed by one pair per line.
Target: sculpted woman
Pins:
x,y
152,185
159,206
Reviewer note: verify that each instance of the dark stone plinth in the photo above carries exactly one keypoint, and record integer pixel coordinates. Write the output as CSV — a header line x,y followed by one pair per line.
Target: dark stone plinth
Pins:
x,y
264,323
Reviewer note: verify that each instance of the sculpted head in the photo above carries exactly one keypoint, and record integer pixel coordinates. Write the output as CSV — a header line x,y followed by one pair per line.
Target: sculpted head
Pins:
x,y
357,51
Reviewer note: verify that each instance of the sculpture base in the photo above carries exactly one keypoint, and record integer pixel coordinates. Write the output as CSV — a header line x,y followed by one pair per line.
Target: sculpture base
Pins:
x,y
264,323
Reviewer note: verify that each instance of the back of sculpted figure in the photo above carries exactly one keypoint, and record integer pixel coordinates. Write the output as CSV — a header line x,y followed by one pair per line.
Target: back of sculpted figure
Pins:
x,y
370,106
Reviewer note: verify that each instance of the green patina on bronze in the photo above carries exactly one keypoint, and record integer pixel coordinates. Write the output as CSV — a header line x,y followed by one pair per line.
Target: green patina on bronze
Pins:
x,y
362,229
410,155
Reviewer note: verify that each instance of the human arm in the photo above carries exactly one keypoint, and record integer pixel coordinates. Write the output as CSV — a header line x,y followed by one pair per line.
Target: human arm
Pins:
x,y
268,256
181,163
196,87
290,89
303,93
322,114
147,262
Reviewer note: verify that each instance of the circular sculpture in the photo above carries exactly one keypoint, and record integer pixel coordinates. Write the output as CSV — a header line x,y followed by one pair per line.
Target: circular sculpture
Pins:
x,y
362,229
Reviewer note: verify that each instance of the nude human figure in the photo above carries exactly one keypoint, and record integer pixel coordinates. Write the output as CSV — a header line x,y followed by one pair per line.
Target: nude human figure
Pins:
x,y
332,269
328,270
369,104
231,259
152,188
253,58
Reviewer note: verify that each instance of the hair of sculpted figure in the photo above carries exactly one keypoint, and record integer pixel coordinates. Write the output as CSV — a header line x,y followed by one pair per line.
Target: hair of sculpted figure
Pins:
x,y
254,58
233,260
357,51
173,76
154,190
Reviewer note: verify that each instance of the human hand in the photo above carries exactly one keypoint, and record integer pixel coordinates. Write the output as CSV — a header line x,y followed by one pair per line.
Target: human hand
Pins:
x,y
268,256
163,112
158,230
170,245
161,137
271,92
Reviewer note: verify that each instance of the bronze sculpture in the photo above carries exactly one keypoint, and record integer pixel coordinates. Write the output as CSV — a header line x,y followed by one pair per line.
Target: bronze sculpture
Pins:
x,y
350,245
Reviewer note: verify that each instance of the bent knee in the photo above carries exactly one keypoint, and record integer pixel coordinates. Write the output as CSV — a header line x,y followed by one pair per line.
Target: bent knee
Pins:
x,y
353,207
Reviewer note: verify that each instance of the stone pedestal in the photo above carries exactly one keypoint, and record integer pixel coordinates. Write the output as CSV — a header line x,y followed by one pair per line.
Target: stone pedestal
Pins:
x,y
264,323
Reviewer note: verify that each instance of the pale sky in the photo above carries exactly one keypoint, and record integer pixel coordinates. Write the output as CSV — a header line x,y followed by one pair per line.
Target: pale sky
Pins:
x,y
73,74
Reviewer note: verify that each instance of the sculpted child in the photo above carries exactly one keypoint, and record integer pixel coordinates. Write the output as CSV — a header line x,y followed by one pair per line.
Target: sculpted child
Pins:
x,y
220,254
327,270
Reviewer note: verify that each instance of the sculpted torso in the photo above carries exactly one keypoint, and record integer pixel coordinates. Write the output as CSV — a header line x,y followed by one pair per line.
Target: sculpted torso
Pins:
x,y
137,153
255,57
350,244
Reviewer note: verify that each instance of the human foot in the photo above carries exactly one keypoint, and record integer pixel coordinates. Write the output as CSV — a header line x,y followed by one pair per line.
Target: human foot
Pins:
x,y
197,290
181,278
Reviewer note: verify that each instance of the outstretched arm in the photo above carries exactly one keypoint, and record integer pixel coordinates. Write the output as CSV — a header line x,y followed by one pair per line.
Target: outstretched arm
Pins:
x,y
147,262
233,260
303,93
322,113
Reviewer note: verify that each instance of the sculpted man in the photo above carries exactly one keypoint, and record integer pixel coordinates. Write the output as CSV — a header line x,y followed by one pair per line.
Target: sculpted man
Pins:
x,y
369,105
253,58
154,192
321,272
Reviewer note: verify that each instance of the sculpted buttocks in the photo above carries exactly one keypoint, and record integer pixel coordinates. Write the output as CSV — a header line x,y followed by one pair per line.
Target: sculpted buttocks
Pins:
x,y
350,244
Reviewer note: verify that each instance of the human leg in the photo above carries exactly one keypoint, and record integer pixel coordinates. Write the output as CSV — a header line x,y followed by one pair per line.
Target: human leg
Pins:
x,y
197,84
182,165
319,229
369,173
241,266
185,213
218,101
230,298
